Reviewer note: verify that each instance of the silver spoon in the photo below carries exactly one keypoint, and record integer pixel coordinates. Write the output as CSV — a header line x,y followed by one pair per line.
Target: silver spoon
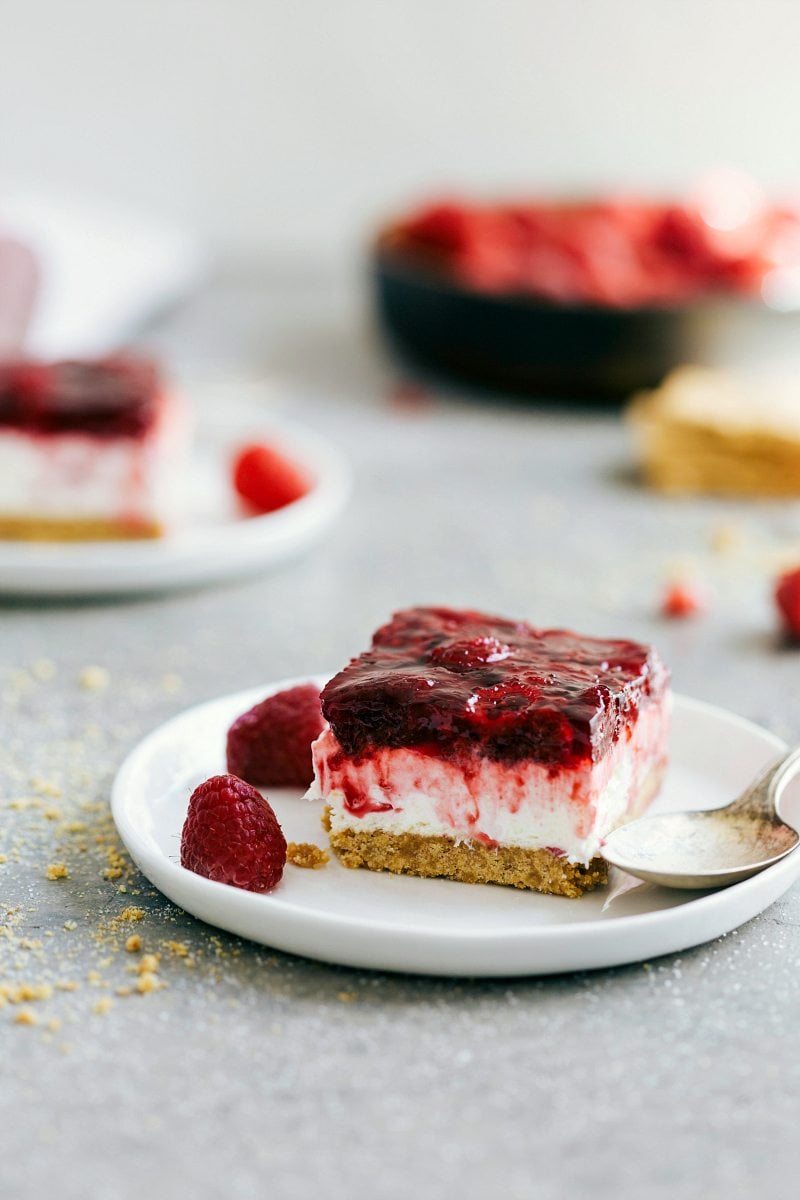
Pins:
x,y
714,847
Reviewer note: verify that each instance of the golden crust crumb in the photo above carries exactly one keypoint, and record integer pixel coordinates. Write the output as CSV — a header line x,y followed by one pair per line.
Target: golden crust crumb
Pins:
x,y
306,854
26,1016
133,944
102,1006
131,913
57,870
148,981
94,679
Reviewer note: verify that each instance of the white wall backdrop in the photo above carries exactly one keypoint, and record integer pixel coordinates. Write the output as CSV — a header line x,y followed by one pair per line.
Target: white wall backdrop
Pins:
x,y
267,123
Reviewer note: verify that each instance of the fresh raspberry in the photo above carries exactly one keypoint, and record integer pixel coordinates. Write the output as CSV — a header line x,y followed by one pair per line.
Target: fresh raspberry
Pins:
x,y
270,746
266,479
232,835
787,598
682,600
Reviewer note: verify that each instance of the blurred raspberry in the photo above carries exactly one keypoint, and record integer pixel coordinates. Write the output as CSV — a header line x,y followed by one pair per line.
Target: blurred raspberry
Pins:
x,y
268,480
787,598
683,599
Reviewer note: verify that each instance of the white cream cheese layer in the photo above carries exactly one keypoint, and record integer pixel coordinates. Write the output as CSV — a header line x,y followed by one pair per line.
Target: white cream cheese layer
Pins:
x,y
72,475
568,811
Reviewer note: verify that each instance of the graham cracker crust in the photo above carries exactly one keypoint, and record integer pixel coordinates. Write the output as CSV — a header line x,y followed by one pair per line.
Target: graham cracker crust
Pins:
x,y
75,529
468,862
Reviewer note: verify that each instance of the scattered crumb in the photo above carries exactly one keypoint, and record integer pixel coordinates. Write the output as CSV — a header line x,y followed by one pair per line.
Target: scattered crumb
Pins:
x,y
57,871
52,814
179,949
346,997
148,982
26,1016
94,679
131,913
306,854
54,1024
133,944
24,992
102,1006
725,538
44,670
3,858
149,964
45,787
70,925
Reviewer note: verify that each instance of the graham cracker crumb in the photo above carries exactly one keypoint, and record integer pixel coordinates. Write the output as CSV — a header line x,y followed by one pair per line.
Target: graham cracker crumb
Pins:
x,y
306,854
44,670
133,944
54,1024
57,871
148,982
3,858
70,925
131,913
149,964
102,1006
26,1016
94,679
52,814
179,949
346,997
24,992
45,787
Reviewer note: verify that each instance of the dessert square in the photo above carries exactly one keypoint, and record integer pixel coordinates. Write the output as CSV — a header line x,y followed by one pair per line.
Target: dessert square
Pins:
x,y
485,750
704,431
88,450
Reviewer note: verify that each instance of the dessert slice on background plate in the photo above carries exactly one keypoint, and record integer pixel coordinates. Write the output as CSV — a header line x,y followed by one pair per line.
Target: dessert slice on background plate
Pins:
x,y
707,431
488,751
88,450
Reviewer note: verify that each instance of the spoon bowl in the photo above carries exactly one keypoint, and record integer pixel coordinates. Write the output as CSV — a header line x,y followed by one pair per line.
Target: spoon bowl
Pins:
x,y
710,848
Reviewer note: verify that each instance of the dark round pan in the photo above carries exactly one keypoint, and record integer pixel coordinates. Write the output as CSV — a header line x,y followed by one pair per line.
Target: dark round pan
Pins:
x,y
523,344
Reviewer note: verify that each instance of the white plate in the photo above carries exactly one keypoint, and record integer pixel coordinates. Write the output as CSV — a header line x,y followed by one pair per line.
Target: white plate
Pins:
x,y
396,923
214,539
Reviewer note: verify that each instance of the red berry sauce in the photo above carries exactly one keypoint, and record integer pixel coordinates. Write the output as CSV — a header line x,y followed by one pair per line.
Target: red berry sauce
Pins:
x,y
112,397
455,684
624,252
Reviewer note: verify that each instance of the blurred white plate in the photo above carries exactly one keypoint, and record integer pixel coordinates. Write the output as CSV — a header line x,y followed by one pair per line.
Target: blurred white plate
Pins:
x,y
102,269
397,923
214,539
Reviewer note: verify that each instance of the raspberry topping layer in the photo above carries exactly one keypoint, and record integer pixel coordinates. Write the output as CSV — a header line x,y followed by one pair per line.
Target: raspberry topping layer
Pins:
x,y
459,683
112,397
615,252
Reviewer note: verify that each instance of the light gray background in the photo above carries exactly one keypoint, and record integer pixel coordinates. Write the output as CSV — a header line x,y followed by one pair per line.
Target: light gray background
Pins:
x,y
258,1074
267,124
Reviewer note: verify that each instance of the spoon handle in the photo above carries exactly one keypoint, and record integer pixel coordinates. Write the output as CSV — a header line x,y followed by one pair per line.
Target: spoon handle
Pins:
x,y
762,797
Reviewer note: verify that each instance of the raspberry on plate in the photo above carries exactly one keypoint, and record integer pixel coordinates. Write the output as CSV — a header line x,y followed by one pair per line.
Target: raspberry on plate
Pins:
x,y
270,746
787,598
266,479
231,835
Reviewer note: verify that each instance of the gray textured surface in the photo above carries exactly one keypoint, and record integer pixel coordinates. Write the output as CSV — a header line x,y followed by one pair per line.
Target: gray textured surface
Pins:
x,y
256,1073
